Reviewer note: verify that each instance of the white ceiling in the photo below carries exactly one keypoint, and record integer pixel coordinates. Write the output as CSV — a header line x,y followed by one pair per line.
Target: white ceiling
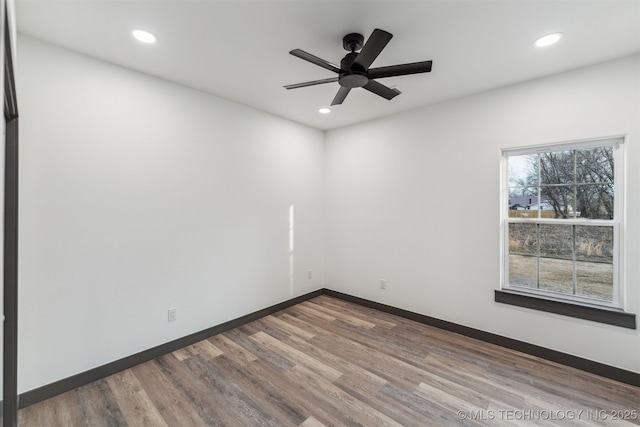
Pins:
x,y
238,49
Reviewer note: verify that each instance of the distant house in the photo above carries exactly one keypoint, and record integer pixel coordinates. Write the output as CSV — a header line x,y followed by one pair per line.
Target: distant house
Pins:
x,y
542,206
520,203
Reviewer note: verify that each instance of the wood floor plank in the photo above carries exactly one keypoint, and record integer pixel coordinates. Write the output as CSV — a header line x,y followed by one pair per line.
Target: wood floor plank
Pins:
x,y
385,366
92,405
261,325
51,412
312,422
498,387
99,406
281,409
343,315
311,311
203,348
295,394
392,409
134,401
330,362
296,356
237,402
232,349
444,398
355,411
507,392
332,300
382,319
208,407
427,412
174,406
288,327
369,338
207,349
295,319
358,377
241,336
184,353
368,353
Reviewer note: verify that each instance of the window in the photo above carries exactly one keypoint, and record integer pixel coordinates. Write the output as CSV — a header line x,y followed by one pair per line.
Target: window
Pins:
x,y
562,221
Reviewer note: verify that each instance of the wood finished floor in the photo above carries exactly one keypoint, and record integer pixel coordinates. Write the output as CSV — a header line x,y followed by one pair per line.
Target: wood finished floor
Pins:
x,y
330,362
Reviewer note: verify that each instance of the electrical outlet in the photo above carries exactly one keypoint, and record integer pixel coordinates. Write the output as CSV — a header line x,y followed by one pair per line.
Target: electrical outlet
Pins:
x,y
383,284
309,274
172,315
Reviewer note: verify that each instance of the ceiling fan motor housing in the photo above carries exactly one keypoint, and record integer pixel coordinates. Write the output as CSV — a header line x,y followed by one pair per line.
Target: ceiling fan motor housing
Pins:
x,y
351,78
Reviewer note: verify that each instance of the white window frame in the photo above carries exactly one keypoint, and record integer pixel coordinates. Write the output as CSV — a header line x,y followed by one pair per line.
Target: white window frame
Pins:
x,y
617,223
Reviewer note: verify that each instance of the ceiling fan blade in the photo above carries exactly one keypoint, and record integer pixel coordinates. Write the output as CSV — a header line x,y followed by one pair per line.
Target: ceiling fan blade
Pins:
x,y
312,83
341,95
382,90
372,48
400,70
315,60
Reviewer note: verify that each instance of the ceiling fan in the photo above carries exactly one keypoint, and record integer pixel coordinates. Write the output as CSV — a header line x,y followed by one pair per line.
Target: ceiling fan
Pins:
x,y
354,68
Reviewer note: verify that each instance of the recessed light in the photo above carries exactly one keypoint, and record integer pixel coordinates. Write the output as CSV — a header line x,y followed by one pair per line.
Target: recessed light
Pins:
x,y
144,36
548,40
324,110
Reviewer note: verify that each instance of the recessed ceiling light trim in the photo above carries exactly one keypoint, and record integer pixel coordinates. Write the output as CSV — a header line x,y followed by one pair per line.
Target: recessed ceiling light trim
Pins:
x,y
324,110
144,36
548,40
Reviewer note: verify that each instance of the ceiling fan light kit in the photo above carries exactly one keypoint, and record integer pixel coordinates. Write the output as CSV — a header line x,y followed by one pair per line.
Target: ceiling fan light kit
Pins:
x,y
354,71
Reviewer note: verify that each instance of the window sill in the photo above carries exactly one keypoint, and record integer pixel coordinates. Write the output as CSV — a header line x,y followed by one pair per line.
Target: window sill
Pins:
x,y
609,316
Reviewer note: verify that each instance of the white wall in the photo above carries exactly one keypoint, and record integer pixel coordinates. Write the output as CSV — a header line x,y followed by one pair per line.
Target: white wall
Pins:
x,y
414,199
138,195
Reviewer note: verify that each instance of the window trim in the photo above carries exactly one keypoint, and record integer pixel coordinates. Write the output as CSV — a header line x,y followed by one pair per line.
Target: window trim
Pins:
x,y
566,304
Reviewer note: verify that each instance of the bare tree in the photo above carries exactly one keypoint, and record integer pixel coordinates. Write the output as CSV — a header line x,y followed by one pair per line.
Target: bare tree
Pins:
x,y
594,174
577,180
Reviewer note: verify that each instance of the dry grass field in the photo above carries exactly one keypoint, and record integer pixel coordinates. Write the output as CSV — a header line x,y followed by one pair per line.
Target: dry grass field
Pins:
x,y
531,214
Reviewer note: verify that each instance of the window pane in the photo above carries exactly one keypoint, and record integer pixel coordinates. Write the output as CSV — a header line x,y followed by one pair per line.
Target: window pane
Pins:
x,y
557,201
594,266
523,270
556,167
522,239
556,258
519,204
595,165
521,170
594,244
595,280
556,241
595,201
556,275
523,249
522,181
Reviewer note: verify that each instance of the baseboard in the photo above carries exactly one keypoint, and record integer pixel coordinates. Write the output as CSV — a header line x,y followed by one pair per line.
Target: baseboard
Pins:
x,y
45,392
601,369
